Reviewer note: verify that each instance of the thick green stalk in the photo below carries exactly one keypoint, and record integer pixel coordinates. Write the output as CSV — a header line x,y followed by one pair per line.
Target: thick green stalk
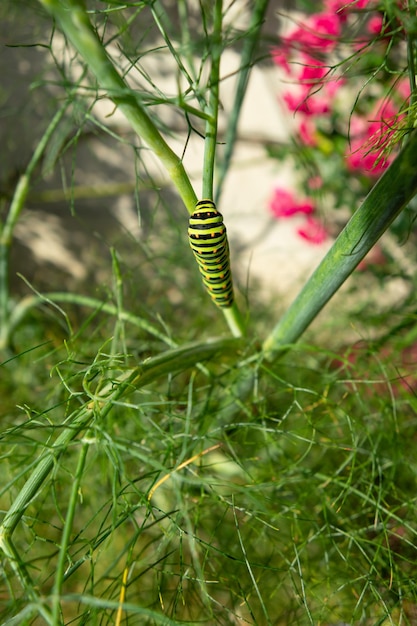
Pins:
x,y
382,205
249,48
73,21
182,358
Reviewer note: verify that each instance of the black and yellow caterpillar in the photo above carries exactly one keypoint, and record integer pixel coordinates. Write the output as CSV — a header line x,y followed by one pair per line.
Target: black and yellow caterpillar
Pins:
x,y
208,240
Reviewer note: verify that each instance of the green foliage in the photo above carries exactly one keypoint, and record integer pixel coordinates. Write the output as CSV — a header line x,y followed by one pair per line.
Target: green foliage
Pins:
x,y
154,471
300,511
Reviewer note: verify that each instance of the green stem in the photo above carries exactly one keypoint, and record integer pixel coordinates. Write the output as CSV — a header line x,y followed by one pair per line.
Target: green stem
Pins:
x,y
73,21
179,359
161,20
249,47
65,539
186,43
119,331
16,207
384,202
234,320
210,143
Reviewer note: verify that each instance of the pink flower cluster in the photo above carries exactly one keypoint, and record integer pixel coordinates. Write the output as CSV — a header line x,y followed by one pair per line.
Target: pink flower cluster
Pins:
x,y
306,57
370,138
285,204
308,44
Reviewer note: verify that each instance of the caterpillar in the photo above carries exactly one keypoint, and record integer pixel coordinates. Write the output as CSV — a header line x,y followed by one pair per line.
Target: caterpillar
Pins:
x,y
208,240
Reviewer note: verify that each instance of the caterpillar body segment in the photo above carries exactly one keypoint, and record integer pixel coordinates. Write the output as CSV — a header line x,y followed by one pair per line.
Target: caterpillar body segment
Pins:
x,y
208,240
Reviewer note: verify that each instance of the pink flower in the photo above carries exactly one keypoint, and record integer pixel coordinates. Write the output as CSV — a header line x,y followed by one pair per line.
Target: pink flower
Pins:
x,y
375,25
333,6
362,4
314,89
402,87
370,139
312,72
338,7
307,132
303,102
333,84
312,231
361,158
354,5
319,32
280,58
315,182
284,204
342,8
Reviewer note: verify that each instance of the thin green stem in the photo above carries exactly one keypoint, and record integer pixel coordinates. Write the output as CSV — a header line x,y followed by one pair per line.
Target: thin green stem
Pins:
x,y
384,202
65,539
210,143
249,567
16,207
186,40
119,331
160,17
249,48
73,21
